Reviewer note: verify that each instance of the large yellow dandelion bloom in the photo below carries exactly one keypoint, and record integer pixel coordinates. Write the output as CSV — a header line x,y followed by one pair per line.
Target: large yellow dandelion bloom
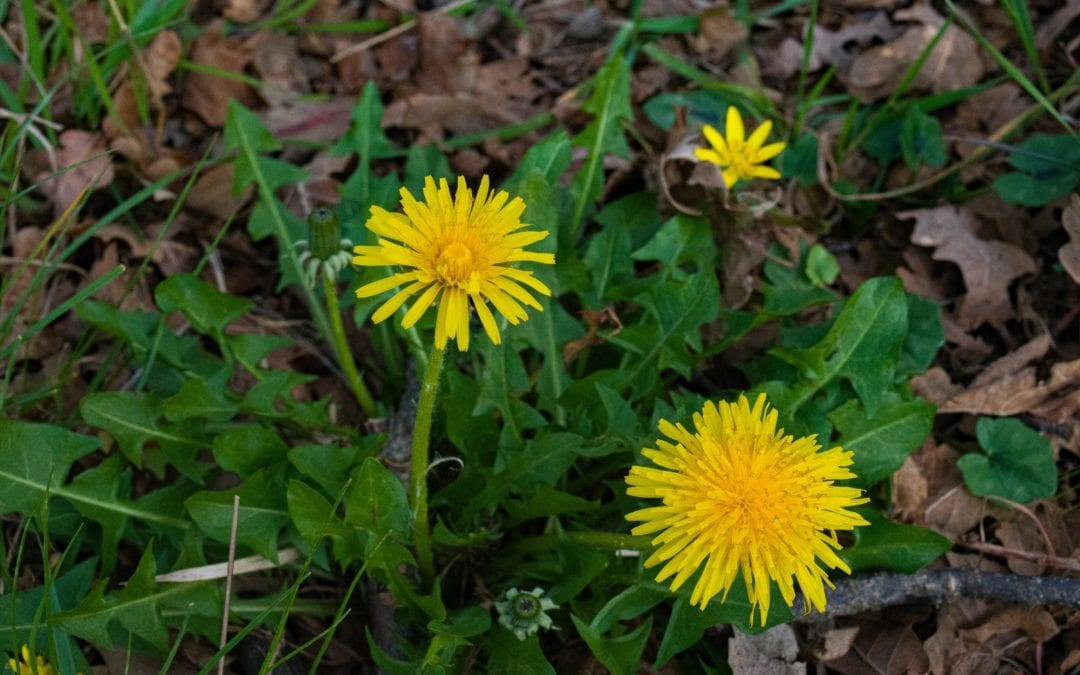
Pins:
x,y
739,157
740,496
456,250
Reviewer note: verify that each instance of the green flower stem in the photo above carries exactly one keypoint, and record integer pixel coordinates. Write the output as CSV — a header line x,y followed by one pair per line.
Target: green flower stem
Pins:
x,y
344,354
602,540
419,465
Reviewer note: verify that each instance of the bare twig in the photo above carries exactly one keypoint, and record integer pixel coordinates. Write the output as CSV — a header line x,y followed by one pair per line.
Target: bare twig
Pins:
x,y
228,582
855,595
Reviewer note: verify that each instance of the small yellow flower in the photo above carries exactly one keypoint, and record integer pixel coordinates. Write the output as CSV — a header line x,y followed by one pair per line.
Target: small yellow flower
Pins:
x,y
456,250
740,496
738,157
30,664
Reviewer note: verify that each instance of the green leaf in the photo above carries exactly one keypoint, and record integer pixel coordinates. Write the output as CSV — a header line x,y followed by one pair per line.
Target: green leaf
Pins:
x,y
422,161
20,620
262,512
920,139
679,308
863,345
245,450
507,654
821,266
329,465
607,258
629,604
925,336
1048,167
884,544
376,501
620,654
208,309
245,133
1018,464
544,501
314,518
249,349
883,441
104,489
35,459
504,380
137,609
620,416
551,157
610,104
133,419
800,159
683,239
366,139
202,398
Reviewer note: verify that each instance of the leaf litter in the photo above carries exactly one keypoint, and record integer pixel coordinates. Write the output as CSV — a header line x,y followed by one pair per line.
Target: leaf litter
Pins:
x,y
449,76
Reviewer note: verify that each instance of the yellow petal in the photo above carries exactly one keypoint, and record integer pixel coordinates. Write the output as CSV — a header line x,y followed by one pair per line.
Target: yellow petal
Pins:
x,y
734,131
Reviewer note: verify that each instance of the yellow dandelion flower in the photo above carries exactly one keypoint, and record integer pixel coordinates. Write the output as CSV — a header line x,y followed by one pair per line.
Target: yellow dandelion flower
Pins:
x,y
457,250
738,157
740,496
30,664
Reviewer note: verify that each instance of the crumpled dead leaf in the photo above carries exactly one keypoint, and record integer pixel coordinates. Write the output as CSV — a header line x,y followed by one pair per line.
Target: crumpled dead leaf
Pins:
x,y
953,64
1069,254
82,161
208,95
988,267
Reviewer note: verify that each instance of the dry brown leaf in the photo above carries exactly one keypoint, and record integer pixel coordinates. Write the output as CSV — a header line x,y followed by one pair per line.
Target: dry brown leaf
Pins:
x,y
171,257
1036,622
208,95
212,193
954,512
910,489
988,267
277,61
244,11
82,162
719,33
838,642
447,63
1069,254
953,64
884,647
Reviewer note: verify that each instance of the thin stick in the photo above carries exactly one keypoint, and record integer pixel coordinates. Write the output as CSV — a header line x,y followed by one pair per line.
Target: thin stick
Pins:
x,y
228,582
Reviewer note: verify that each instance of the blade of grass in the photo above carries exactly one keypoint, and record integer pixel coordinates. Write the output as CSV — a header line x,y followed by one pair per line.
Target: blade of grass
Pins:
x,y
1020,15
1012,70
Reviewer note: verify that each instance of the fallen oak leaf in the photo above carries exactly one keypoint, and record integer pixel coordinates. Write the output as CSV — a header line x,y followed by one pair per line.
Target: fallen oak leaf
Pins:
x,y
1069,254
988,267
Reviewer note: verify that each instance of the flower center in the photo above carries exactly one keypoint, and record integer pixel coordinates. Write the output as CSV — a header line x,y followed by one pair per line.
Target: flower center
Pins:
x,y
455,263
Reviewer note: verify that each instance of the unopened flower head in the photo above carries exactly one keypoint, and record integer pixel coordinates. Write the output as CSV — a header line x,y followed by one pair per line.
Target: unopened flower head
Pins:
x,y
740,496
525,613
457,251
739,157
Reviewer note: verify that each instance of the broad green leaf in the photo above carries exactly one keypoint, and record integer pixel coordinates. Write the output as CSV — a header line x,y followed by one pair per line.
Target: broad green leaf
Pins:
x,y
821,266
790,289
544,501
1048,167
504,380
314,518
376,501
202,398
245,450
246,133
1018,464
620,654
551,157
507,654
262,512
883,441
366,139
581,565
35,459
330,465
104,490
800,159
610,105
208,309
920,139
884,544
925,336
621,418
134,420
629,604
137,609
21,613
249,349
863,345
679,309
422,161
682,239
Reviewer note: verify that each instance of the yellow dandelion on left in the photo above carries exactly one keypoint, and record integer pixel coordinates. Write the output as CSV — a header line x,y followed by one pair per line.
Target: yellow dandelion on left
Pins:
x,y
738,496
457,251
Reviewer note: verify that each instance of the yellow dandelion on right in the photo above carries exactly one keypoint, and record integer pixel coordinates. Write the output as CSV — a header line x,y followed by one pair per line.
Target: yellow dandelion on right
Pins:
x,y
740,496
739,157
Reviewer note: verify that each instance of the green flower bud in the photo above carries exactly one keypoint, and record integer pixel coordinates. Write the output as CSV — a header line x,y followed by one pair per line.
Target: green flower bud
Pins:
x,y
325,233
524,614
